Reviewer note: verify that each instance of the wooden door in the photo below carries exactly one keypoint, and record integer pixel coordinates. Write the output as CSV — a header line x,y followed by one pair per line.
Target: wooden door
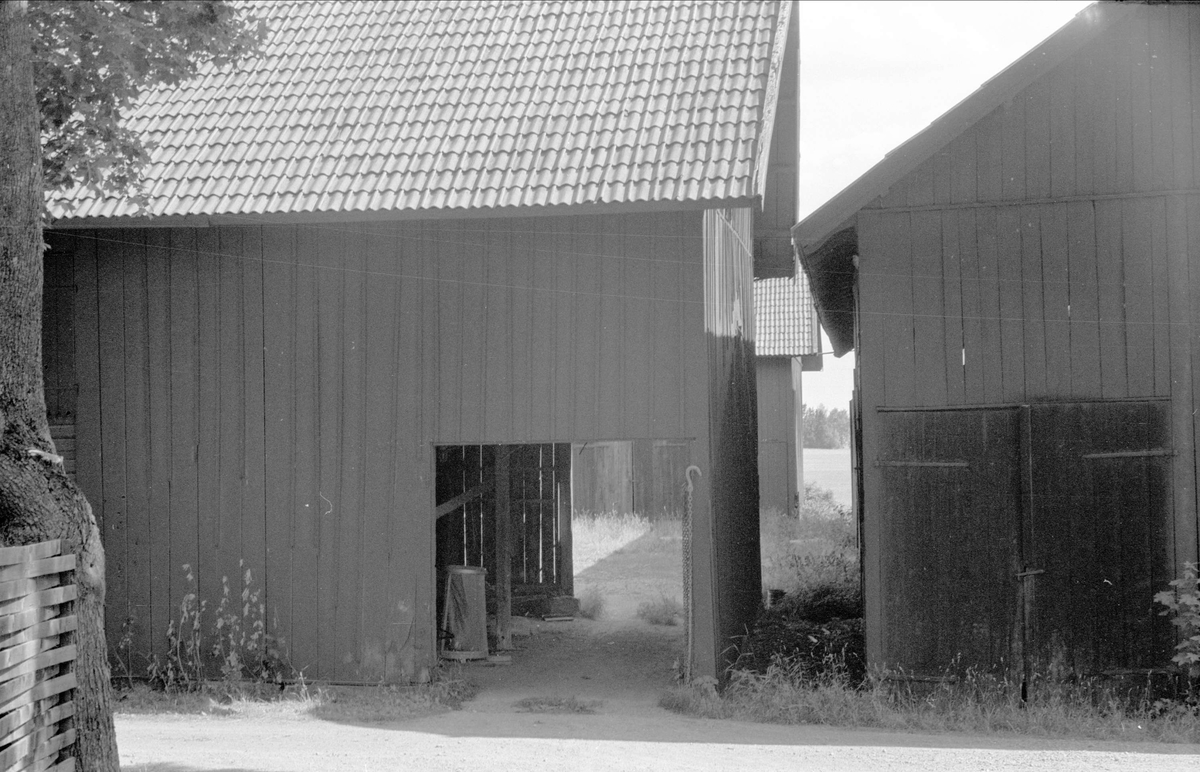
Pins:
x,y
1099,536
950,508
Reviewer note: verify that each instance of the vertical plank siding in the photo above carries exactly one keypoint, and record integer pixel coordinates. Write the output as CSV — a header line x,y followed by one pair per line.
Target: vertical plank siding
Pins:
x,y
268,397
1054,261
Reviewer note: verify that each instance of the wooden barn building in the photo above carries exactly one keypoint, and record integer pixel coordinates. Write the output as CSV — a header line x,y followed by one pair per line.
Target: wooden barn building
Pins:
x,y
1021,285
788,342
388,273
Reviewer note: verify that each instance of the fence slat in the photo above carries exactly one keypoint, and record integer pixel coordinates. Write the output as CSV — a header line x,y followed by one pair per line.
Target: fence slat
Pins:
x,y
37,658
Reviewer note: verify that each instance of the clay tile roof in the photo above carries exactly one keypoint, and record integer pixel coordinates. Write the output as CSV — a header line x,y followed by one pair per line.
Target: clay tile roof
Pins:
x,y
508,103
784,325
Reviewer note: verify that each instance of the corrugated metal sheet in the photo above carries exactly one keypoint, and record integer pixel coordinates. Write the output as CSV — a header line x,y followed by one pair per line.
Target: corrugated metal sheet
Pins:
x,y
401,106
783,318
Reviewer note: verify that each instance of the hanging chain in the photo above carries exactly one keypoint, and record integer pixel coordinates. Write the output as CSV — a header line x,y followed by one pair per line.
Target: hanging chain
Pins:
x,y
687,574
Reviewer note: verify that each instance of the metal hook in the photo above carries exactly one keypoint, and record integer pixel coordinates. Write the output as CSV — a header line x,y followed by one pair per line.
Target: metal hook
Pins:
x,y
688,474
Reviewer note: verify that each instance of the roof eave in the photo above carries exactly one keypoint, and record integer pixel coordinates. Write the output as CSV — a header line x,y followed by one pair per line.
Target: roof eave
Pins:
x,y
285,218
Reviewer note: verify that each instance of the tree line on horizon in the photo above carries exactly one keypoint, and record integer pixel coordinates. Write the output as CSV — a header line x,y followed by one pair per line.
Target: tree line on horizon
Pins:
x,y
825,428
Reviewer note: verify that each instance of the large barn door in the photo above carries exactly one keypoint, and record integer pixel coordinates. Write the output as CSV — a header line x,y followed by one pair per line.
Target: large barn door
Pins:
x,y
1099,537
1034,535
950,544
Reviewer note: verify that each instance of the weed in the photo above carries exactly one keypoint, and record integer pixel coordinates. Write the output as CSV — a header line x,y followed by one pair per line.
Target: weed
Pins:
x,y
246,654
1182,604
557,705
664,611
591,604
373,704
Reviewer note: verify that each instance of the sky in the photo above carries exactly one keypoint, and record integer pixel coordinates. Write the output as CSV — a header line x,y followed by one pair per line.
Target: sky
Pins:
x,y
872,74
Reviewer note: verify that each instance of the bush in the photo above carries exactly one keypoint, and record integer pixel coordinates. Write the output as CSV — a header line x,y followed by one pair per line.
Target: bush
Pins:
x,y
591,604
664,611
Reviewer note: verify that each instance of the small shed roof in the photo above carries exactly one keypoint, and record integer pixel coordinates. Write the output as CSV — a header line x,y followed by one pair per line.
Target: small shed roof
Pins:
x,y
826,241
783,318
451,107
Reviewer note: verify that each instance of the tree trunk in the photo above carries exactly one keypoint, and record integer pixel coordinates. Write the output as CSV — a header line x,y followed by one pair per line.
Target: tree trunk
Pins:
x,y
37,501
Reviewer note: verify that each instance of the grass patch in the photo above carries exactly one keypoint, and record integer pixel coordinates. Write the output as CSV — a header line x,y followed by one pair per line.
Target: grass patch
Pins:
x,y
596,535
976,704
358,704
591,604
557,705
664,611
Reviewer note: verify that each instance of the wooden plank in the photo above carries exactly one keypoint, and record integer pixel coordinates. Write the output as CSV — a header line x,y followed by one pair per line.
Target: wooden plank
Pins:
x,y
1056,299
1186,541
253,472
282,521
1012,148
895,264
639,334
612,375
1181,244
19,556
331,306
1161,279
497,342
1083,300
1163,158
184,417
1036,104
587,325
1032,292
1111,300
446,252
38,594
1062,135
870,384
208,406
522,320
991,360
36,567
989,152
959,232
1139,308
147,630
929,304
1104,78
1182,100
472,296
564,381
113,519
965,166
137,433
379,502
47,628
87,365
543,367
921,184
349,524
943,174
31,656
503,552
229,420
1011,303
1142,104
1086,107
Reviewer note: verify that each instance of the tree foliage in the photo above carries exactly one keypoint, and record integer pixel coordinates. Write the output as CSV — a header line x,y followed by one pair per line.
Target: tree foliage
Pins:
x,y
824,428
93,60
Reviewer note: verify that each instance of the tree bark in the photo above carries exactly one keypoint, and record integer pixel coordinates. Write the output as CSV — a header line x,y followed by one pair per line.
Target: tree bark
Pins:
x,y
37,501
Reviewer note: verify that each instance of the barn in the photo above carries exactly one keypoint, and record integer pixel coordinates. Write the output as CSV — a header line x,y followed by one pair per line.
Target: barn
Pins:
x,y
387,275
788,343
1020,283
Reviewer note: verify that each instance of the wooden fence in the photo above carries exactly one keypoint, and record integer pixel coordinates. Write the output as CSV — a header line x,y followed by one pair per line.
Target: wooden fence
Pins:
x,y
37,655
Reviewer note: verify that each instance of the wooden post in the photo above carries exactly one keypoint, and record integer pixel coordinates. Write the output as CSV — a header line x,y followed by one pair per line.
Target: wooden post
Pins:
x,y
503,553
562,486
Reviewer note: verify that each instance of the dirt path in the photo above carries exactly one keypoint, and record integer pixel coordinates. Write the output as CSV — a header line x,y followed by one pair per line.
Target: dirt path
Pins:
x,y
617,668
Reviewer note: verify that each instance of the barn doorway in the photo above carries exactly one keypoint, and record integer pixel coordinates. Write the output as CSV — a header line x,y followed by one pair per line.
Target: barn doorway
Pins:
x,y
1031,537
507,510
585,521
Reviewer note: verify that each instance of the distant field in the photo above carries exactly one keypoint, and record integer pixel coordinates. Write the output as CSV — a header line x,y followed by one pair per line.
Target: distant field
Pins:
x,y
829,469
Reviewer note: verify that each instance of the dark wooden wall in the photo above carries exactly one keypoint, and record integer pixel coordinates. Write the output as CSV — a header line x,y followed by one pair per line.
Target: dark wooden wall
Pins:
x,y
272,394
732,523
1051,252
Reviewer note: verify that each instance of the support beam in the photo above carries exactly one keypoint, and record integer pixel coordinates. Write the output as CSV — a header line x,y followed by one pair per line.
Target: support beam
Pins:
x,y
503,552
